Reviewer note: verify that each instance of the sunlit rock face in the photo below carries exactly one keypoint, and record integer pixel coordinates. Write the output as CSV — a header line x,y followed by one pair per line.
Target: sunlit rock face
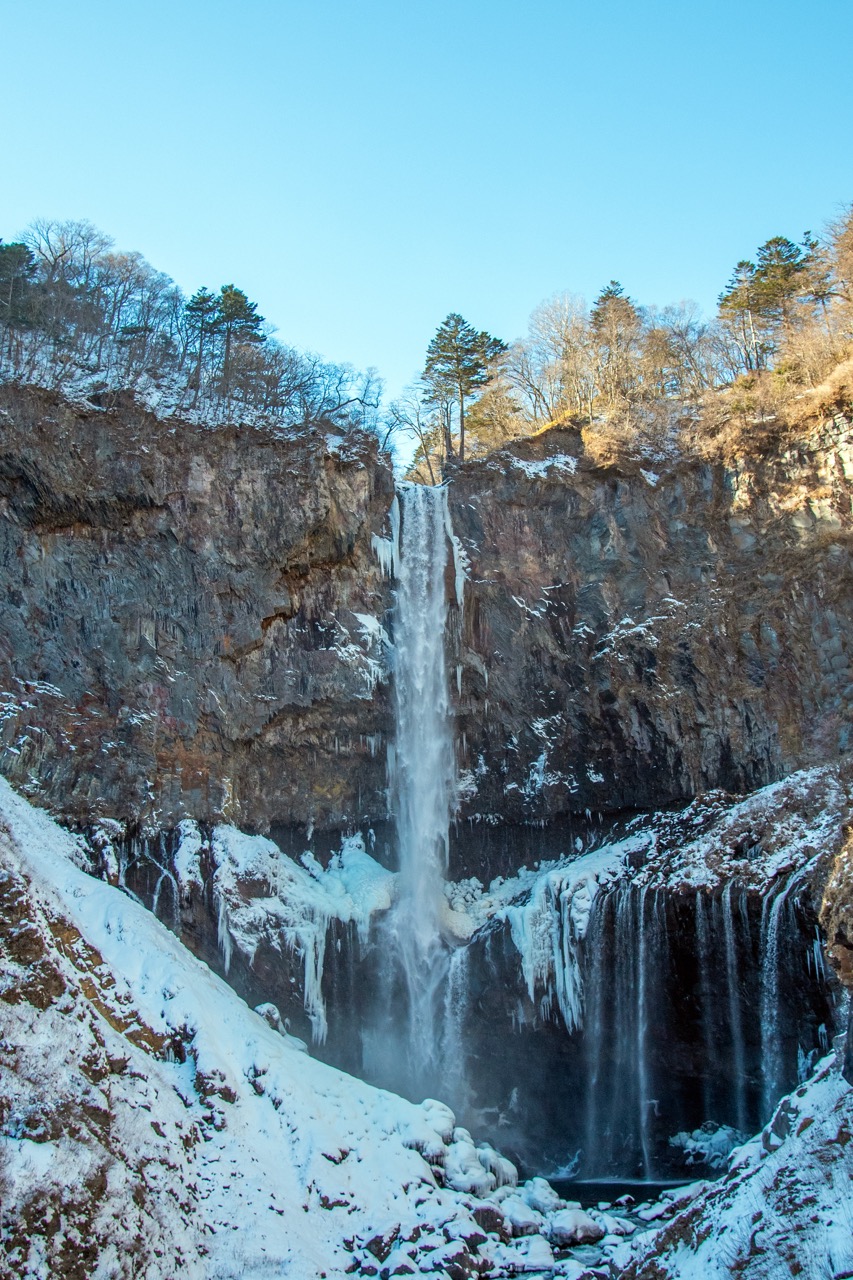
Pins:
x,y
188,626
633,637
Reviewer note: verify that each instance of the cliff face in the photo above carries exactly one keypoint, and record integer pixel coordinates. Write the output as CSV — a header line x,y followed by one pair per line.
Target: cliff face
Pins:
x,y
186,618
632,638
190,622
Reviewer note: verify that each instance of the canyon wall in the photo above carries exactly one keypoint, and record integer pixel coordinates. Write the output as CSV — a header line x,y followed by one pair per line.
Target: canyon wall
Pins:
x,y
191,624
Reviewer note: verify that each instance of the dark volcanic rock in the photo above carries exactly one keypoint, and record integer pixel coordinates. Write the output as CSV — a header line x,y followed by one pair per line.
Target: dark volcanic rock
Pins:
x,y
179,629
182,630
631,639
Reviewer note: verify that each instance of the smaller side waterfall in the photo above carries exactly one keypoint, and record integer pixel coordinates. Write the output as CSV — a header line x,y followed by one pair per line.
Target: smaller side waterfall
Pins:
x,y
700,1010
770,959
627,948
734,995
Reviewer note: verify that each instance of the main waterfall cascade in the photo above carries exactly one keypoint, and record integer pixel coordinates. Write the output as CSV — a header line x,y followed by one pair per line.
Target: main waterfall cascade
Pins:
x,y
417,1018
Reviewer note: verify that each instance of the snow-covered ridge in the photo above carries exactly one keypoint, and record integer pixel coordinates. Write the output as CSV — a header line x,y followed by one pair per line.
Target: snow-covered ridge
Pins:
x,y
785,1206
781,828
560,462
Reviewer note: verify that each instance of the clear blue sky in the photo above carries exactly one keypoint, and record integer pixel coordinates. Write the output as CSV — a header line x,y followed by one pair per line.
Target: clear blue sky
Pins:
x,y
363,168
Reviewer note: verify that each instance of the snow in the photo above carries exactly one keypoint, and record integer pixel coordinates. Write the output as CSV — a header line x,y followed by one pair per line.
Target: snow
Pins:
x,y
559,462
711,1145
187,858
778,829
573,1226
296,1157
297,903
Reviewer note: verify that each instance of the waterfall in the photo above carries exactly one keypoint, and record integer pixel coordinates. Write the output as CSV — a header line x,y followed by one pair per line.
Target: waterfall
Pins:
x,y
771,1049
704,961
455,1024
734,1003
416,1029
628,963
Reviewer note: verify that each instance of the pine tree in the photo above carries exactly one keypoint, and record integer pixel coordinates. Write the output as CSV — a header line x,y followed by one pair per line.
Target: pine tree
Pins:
x,y
239,321
782,274
460,360
203,312
616,327
740,307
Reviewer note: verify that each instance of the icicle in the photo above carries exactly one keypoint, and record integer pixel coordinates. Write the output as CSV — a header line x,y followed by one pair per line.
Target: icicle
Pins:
x,y
734,1003
313,946
223,937
387,550
461,563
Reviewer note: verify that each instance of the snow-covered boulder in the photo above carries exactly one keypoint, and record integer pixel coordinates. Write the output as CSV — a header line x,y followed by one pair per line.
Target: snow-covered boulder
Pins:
x,y
574,1226
505,1172
464,1170
541,1196
439,1117
523,1220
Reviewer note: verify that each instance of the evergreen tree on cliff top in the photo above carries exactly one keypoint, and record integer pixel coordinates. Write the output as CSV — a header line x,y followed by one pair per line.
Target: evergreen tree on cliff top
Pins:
x,y
240,323
460,360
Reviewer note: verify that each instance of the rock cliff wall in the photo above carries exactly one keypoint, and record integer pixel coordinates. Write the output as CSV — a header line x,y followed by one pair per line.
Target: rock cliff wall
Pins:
x,y
190,623
186,622
632,638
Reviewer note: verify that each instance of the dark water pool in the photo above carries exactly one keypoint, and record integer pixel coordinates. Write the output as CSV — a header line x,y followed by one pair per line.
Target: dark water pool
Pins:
x,y
593,1191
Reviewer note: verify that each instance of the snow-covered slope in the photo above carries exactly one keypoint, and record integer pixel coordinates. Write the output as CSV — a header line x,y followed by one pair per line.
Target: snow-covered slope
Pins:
x,y
153,1123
